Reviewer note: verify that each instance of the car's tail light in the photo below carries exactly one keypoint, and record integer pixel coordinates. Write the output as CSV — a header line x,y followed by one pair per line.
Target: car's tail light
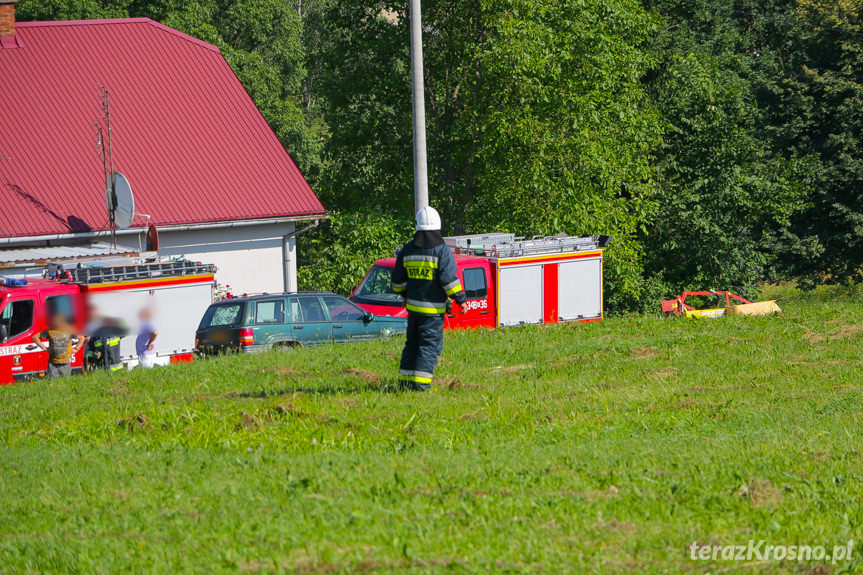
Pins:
x,y
246,337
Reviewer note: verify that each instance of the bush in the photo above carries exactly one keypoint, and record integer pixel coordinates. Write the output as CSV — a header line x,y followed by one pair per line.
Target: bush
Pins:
x,y
337,256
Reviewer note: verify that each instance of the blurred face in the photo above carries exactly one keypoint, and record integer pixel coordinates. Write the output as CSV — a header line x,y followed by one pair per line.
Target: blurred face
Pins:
x,y
58,322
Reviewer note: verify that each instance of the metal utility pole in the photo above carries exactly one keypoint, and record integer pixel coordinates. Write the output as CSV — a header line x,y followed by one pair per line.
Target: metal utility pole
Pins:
x,y
421,183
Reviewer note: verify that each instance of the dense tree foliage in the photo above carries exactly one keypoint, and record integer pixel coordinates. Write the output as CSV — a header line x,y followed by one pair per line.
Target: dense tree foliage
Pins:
x,y
337,257
819,112
718,141
778,82
724,190
537,119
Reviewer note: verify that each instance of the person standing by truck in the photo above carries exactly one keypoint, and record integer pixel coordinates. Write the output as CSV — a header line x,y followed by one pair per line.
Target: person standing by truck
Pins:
x,y
144,343
104,345
425,274
61,345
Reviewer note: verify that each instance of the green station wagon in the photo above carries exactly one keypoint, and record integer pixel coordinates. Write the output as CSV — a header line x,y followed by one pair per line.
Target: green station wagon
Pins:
x,y
267,321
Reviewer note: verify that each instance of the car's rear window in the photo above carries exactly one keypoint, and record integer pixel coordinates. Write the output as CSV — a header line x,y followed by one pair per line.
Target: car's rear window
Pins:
x,y
223,314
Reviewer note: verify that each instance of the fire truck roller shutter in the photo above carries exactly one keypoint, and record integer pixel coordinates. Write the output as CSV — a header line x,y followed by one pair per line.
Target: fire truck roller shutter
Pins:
x,y
178,311
580,289
123,305
520,295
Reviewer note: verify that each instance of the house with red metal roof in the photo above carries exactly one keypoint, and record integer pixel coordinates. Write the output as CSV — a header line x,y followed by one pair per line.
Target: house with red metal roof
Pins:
x,y
205,168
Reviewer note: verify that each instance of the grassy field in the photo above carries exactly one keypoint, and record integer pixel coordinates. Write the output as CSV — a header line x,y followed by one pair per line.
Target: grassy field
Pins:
x,y
605,448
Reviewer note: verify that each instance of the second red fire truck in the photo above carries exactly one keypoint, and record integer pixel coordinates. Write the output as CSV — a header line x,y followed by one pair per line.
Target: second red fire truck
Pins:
x,y
509,281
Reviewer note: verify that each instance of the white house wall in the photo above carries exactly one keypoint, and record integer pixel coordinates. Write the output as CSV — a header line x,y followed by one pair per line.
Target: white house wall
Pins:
x,y
249,258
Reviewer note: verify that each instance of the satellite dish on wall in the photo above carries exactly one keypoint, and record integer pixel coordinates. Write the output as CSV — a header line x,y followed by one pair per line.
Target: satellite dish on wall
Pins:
x,y
124,210
152,238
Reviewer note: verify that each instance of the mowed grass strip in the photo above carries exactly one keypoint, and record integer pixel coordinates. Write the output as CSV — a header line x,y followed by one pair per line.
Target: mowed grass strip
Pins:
x,y
600,448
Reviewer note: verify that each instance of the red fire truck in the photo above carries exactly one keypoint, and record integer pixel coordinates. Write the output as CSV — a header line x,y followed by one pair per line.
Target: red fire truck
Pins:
x,y
508,281
176,292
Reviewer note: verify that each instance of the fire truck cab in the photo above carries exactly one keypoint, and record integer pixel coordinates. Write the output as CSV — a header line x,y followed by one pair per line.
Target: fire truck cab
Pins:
x,y
508,281
374,294
25,310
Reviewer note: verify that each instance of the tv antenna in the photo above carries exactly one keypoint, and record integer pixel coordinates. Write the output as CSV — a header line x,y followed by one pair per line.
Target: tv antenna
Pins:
x,y
119,200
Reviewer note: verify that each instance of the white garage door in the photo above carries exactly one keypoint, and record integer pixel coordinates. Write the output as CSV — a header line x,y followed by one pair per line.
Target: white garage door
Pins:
x,y
580,289
520,295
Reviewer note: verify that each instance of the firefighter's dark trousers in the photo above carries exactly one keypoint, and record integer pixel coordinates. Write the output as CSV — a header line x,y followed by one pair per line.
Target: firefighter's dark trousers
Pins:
x,y
422,350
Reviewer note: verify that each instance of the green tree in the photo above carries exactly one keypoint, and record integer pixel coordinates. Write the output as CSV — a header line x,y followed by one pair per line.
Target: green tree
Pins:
x,y
724,190
337,257
37,10
819,112
537,120
787,74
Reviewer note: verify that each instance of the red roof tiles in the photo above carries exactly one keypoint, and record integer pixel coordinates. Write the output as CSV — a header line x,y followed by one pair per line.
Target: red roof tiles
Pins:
x,y
185,133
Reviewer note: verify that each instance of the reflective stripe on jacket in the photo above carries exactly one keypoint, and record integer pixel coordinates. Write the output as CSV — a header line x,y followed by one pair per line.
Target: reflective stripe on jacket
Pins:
x,y
427,277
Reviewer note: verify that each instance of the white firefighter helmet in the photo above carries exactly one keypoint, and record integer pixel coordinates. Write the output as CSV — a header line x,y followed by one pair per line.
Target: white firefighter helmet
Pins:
x,y
428,220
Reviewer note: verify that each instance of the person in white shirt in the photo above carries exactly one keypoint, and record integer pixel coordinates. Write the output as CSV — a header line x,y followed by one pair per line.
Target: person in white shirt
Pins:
x,y
147,334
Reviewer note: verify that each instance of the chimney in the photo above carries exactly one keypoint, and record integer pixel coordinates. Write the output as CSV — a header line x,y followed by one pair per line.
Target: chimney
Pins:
x,y
7,19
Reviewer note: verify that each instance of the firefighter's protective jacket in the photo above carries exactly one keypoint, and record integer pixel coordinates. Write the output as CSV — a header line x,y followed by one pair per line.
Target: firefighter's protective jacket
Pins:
x,y
427,276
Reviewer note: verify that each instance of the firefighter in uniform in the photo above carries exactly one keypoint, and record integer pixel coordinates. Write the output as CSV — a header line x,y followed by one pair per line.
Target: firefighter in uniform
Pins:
x,y
104,345
425,275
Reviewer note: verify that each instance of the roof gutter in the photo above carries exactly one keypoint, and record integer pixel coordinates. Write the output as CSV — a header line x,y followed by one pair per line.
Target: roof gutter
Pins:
x,y
168,228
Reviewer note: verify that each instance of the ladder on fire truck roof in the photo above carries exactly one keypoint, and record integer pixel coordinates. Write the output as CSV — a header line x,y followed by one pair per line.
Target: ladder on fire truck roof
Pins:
x,y
508,245
124,273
